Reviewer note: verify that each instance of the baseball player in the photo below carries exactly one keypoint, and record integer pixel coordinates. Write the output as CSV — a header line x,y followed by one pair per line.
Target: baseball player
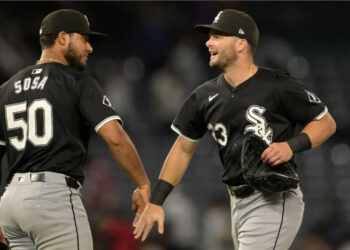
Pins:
x,y
244,99
47,112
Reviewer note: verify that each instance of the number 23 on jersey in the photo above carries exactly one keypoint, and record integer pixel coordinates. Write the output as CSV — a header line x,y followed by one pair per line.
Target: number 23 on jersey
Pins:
x,y
219,133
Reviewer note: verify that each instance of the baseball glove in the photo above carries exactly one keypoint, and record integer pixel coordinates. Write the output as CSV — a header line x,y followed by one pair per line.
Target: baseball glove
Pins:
x,y
262,176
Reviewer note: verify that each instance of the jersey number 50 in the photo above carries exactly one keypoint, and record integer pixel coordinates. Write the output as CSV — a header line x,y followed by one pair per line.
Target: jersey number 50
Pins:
x,y
29,128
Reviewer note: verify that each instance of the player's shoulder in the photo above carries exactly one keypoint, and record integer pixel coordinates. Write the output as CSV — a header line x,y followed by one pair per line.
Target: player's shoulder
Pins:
x,y
70,72
207,85
70,76
277,77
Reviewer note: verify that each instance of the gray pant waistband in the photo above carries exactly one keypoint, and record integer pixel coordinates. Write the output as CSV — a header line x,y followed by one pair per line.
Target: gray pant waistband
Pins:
x,y
49,177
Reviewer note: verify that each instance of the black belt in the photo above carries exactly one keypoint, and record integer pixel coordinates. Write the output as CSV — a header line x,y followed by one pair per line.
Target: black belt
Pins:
x,y
241,191
40,177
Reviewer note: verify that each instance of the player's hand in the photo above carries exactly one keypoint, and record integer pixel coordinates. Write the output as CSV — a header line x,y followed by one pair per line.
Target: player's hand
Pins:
x,y
152,214
277,153
2,238
140,198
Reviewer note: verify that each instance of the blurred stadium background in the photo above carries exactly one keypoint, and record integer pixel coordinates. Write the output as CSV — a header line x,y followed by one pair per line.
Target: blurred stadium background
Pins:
x,y
150,62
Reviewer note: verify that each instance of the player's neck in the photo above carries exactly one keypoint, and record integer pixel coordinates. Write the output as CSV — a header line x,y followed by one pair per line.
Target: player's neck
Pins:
x,y
50,56
239,73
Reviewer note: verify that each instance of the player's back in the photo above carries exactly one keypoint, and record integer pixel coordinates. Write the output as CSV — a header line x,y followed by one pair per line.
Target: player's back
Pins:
x,y
43,129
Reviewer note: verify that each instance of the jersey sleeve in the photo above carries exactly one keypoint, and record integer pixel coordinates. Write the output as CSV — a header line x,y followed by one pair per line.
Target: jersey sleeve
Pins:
x,y
95,106
189,121
2,139
301,104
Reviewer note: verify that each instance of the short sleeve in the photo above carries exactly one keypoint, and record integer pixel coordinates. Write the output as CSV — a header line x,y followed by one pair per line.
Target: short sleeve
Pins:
x,y
95,106
189,121
2,139
301,104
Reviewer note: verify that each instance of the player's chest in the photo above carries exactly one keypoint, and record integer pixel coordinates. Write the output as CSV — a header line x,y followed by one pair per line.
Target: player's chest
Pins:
x,y
225,105
230,112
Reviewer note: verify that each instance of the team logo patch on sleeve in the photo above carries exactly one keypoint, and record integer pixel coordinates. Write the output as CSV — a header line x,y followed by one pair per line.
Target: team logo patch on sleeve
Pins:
x,y
107,102
312,97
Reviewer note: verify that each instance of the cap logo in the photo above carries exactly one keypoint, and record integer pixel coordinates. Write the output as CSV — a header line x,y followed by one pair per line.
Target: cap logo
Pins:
x,y
87,20
217,17
240,31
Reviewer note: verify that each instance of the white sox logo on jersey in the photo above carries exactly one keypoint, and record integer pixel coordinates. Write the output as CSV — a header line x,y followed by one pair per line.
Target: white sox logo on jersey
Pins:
x,y
259,127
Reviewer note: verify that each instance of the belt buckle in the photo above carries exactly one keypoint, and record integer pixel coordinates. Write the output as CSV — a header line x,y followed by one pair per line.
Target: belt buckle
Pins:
x,y
37,177
241,191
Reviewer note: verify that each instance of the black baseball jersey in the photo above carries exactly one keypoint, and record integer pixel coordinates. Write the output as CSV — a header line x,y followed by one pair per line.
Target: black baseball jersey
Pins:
x,y
269,104
47,113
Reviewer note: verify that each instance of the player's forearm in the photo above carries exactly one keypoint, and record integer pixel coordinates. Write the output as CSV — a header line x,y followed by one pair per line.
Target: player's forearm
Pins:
x,y
124,152
2,238
319,131
177,161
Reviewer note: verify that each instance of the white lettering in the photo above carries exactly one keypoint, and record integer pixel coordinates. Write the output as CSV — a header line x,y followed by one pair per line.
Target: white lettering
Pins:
x,y
216,19
42,83
29,83
35,82
26,83
259,126
18,87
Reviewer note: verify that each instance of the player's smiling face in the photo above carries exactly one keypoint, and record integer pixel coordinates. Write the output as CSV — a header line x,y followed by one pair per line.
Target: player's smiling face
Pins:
x,y
78,50
221,49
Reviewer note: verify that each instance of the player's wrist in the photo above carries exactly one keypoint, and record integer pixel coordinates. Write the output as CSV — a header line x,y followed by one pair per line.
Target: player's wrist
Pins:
x,y
144,184
147,185
161,192
299,143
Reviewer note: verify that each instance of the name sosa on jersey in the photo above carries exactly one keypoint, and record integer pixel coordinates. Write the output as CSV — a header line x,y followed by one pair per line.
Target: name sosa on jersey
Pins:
x,y
30,83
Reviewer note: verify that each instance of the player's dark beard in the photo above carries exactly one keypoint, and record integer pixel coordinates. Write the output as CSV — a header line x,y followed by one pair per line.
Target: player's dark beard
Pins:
x,y
224,62
73,59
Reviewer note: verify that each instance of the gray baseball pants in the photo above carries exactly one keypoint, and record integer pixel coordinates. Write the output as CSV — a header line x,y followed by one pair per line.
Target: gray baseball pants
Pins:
x,y
44,215
266,222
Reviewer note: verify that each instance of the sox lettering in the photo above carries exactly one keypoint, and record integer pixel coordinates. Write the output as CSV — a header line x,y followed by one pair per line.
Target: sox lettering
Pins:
x,y
217,17
254,114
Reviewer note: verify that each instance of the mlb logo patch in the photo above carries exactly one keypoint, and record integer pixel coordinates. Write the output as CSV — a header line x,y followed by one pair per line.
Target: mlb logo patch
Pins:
x,y
37,71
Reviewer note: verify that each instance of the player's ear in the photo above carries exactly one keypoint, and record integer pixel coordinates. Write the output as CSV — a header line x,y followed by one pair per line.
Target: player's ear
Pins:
x,y
63,38
241,45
